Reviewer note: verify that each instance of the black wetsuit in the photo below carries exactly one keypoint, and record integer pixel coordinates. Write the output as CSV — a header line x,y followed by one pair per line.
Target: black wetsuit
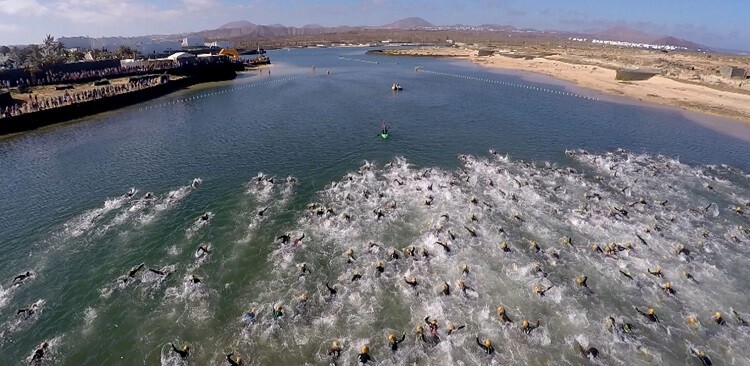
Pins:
x,y
395,342
36,359
182,353
488,350
331,290
651,317
364,358
22,277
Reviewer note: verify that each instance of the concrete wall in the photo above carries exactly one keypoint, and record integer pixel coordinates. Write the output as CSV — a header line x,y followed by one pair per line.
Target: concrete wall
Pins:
x,y
731,72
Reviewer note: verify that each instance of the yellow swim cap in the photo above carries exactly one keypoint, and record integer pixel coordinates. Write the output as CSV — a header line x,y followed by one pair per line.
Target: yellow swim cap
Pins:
x,y
487,343
500,310
525,323
335,344
391,337
364,349
186,348
650,311
717,315
433,321
419,329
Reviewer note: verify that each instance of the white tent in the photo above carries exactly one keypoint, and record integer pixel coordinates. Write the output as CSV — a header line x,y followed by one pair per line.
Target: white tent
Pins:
x,y
181,56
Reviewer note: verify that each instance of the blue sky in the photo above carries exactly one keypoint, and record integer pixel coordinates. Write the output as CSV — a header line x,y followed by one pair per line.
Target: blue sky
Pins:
x,y
719,23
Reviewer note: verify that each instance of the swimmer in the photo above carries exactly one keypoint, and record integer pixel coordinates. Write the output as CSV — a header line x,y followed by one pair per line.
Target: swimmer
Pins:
x,y
411,281
205,217
379,267
393,342
433,326
303,270
392,253
159,272
419,331
689,277
453,328
526,327
451,235
28,312
626,274
202,250
741,321
298,240
596,248
590,352
534,246
464,269
667,288
471,231
682,250
350,255
718,318
364,355
445,289
334,351
649,314
278,312
581,281
232,362
262,211
504,247
356,276
463,287
21,277
284,238
331,291
445,246
250,316
379,214
184,352
194,279
502,315
656,272
537,288
423,251
408,251
486,346
701,356
36,358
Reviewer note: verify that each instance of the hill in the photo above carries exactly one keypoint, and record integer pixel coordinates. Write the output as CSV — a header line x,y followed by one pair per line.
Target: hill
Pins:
x,y
409,23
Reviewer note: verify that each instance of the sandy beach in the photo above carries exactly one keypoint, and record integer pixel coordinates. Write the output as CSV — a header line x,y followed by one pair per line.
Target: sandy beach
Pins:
x,y
725,100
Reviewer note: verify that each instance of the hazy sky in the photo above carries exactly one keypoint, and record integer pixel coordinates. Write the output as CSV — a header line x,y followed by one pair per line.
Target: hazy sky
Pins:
x,y
719,23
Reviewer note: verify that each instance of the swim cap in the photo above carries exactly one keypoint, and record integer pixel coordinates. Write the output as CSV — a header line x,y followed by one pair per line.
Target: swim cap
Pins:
x,y
487,343
500,310
525,324
365,349
391,337
650,311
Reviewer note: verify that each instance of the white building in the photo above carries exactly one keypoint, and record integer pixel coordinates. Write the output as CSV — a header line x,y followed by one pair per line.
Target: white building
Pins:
x,y
182,58
158,47
219,44
192,42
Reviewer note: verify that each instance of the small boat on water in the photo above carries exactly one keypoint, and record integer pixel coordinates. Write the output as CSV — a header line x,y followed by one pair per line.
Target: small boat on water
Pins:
x,y
384,131
396,87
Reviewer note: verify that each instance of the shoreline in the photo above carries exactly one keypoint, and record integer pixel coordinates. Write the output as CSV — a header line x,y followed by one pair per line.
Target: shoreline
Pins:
x,y
17,124
658,90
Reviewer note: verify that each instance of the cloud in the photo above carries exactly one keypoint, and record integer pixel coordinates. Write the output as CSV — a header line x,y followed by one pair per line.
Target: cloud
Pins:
x,y
22,7
9,28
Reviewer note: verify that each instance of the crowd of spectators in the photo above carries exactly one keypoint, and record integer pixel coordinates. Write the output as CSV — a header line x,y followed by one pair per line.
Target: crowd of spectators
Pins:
x,y
50,77
70,97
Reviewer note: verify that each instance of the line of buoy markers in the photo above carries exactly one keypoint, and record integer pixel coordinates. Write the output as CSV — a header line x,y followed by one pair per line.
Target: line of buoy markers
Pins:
x,y
529,87
281,80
